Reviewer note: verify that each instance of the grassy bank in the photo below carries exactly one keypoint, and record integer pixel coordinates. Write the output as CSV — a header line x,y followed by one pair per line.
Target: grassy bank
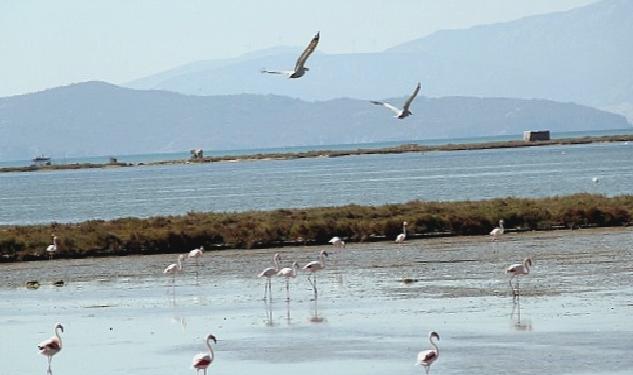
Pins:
x,y
246,230
406,148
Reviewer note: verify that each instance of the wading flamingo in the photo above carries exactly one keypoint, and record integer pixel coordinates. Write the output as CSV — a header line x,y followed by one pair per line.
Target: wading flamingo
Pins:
x,y
517,270
52,248
287,273
498,231
337,242
427,357
174,268
402,236
404,112
201,361
196,254
314,267
300,67
51,346
268,273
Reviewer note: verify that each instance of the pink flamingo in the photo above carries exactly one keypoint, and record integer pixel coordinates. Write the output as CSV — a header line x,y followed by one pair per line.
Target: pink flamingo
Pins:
x,y
516,270
498,231
51,346
174,268
337,242
427,357
201,361
196,254
314,267
287,273
402,236
52,248
268,273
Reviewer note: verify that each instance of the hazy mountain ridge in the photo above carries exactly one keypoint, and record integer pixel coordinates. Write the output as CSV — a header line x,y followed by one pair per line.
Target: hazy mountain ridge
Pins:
x,y
96,118
582,55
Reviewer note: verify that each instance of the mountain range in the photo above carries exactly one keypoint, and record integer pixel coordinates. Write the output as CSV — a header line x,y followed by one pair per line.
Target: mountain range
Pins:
x,y
583,55
97,118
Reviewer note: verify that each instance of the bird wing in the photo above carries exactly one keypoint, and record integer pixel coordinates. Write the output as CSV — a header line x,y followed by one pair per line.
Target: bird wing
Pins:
x,y
387,105
307,52
408,102
311,264
52,343
267,272
277,71
513,268
427,356
201,359
334,239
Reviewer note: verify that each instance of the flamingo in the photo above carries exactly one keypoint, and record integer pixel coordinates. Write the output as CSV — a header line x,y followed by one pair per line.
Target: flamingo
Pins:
x,y
516,270
314,267
51,346
300,67
402,236
337,242
196,253
52,248
498,231
427,357
268,273
404,112
201,361
174,268
287,273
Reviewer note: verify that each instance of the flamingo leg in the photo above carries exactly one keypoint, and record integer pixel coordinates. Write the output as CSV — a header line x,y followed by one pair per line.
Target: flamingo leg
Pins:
x,y
287,289
265,290
270,289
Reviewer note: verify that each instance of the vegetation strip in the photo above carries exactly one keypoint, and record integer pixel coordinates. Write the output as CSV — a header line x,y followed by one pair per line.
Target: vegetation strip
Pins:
x,y
405,148
311,226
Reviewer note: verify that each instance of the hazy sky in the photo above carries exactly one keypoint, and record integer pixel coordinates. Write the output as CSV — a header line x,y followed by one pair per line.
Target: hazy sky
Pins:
x,y
50,43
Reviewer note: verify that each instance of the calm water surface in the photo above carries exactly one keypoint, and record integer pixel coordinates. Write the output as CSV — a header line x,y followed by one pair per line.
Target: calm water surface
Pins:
x,y
122,317
68,196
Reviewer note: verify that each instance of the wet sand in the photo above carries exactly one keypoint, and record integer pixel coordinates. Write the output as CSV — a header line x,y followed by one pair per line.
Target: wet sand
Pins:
x,y
122,316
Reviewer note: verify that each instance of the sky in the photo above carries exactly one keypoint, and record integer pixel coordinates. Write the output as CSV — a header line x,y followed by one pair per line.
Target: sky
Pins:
x,y
44,44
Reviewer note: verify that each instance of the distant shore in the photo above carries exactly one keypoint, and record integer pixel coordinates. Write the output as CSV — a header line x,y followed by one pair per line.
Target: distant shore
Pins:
x,y
404,148
311,226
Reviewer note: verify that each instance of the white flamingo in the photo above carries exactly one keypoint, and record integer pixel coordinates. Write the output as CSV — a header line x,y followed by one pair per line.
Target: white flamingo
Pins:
x,y
201,361
52,248
196,254
174,268
517,270
287,273
51,346
404,112
314,267
427,357
337,242
402,236
300,67
498,231
268,273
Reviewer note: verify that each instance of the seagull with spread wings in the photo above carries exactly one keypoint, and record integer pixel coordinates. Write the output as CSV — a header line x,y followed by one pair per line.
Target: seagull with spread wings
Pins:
x,y
404,112
300,69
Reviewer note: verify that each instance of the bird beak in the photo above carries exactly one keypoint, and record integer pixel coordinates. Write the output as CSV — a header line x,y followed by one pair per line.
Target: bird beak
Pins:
x,y
326,254
213,338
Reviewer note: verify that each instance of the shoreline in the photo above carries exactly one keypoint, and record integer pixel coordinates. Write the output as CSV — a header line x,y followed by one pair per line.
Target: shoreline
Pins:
x,y
404,148
311,226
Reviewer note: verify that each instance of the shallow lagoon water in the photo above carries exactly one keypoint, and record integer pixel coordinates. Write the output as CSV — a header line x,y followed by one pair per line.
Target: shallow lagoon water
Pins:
x,y
78,195
122,317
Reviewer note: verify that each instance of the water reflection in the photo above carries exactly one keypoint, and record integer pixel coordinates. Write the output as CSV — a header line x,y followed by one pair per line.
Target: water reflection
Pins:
x,y
515,317
269,313
315,317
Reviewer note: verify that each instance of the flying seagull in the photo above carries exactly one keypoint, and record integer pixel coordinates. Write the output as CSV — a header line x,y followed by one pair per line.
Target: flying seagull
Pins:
x,y
400,114
300,69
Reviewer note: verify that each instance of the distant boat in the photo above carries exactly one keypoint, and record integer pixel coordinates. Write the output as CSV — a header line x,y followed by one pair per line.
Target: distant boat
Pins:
x,y
41,160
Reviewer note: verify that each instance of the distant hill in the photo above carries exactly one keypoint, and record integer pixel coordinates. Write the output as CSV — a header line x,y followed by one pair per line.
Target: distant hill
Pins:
x,y
97,118
583,55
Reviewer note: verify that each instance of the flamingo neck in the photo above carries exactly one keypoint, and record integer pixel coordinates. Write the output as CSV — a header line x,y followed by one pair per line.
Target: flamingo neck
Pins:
x,y
322,259
276,262
179,265
210,350
526,265
404,230
437,350
58,336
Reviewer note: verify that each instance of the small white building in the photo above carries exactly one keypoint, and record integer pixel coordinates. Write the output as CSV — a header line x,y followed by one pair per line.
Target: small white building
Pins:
x,y
536,135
